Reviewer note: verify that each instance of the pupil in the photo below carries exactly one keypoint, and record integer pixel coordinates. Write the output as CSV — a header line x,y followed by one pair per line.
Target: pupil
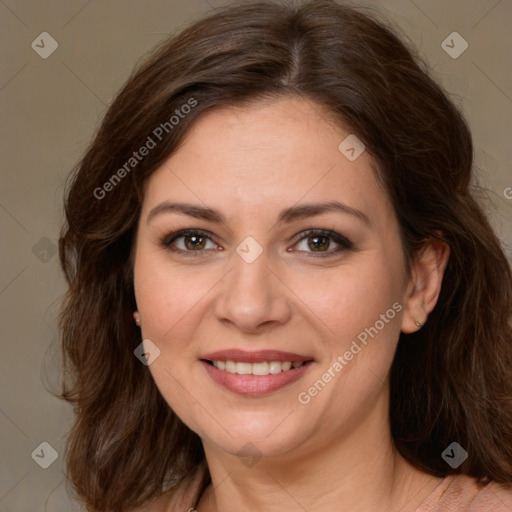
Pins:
x,y
317,242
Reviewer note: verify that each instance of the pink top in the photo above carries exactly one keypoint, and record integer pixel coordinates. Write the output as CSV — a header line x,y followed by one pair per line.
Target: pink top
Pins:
x,y
455,493
461,493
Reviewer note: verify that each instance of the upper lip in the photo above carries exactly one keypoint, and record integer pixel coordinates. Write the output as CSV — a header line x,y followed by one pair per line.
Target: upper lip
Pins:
x,y
256,356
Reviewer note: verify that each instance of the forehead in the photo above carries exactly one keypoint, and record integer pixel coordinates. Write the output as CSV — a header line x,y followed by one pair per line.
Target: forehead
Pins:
x,y
265,156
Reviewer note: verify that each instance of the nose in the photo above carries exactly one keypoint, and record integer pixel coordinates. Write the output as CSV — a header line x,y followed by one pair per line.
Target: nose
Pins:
x,y
252,297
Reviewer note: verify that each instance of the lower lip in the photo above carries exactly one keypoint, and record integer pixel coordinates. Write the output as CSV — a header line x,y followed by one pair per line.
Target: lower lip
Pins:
x,y
255,385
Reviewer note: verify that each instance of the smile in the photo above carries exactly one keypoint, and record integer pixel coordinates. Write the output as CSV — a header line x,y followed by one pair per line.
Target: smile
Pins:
x,y
254,374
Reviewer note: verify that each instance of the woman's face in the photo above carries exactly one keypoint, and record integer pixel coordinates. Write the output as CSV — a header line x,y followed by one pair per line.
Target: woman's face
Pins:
x,y
293,256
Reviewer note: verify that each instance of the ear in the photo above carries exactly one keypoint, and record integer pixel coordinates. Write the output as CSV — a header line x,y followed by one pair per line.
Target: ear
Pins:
x,y
425,284
136,317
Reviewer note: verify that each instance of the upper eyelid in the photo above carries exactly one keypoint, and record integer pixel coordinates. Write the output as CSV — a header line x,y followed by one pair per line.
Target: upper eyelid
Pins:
x,y
171,237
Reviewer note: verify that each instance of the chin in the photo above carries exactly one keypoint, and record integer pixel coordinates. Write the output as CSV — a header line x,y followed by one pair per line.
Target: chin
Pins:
x,y
250,435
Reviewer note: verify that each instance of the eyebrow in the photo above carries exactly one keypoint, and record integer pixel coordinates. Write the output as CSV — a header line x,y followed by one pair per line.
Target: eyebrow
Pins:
x,y
286,216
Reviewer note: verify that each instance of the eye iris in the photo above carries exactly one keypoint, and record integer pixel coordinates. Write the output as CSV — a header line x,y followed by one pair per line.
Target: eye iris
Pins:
x,y
318,242
196,241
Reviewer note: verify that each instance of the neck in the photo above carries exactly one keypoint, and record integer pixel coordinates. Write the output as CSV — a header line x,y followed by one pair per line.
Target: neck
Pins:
x,y
359,470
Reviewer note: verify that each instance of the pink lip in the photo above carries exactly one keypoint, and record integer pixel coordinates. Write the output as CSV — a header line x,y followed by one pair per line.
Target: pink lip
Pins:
x,y
255,385
258,356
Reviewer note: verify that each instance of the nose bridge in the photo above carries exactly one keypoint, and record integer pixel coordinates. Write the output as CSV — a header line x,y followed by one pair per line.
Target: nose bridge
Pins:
x,y
250,268
251,296
249,284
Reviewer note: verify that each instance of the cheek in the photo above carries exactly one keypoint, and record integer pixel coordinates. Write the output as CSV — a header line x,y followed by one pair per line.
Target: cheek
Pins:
x,y
344,302
168,298
359,313
168,302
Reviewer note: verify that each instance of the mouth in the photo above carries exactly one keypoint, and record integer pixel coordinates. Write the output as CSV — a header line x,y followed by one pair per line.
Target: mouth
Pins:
x,y
255,373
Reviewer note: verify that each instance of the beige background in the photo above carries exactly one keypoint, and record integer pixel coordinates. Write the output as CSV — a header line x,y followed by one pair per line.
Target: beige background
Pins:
x,y
50,109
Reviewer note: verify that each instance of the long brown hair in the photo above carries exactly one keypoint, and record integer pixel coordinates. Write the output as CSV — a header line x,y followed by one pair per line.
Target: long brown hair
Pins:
x,y
451,381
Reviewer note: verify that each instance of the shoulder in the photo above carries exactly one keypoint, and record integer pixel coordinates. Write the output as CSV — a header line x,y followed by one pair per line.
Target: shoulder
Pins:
x,y
462,493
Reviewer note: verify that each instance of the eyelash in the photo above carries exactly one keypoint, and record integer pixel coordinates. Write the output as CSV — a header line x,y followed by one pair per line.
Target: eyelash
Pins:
x,y
344,243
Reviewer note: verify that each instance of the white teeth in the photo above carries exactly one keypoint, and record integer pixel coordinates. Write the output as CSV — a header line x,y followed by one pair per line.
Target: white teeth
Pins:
x,y
244,368
260,368
275,367
231,366
263,368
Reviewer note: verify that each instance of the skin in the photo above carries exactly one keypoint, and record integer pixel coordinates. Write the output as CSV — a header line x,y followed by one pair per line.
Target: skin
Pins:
x,y
336,452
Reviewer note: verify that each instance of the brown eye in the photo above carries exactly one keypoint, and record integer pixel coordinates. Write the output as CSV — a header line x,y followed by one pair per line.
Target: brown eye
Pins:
x,y
189,243
193,242
323,243
318,242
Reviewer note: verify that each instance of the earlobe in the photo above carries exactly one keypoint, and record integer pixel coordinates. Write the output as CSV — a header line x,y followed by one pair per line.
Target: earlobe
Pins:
x,y
425,285
136,317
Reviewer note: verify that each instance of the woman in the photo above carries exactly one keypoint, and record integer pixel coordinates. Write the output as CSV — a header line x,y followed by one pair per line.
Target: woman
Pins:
x,y
282,293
